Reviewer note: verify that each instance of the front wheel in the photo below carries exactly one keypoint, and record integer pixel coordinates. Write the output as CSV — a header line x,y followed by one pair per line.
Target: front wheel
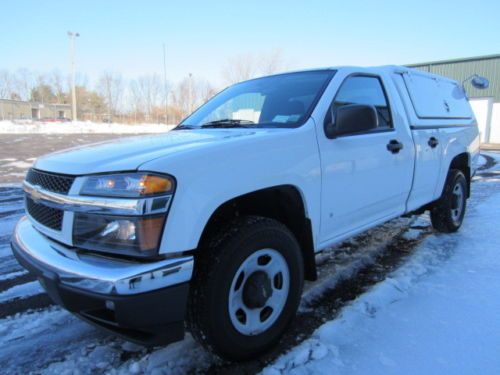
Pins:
x,y
246,288
448,212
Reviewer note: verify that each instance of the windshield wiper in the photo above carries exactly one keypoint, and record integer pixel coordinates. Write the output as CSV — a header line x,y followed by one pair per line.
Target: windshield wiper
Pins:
x,y
227,123
182,127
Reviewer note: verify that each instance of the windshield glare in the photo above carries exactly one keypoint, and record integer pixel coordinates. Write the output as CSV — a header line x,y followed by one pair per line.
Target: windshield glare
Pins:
x,y
284,100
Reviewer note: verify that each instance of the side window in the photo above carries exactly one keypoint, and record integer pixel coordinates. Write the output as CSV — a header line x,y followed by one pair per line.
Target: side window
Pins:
x,y
364,90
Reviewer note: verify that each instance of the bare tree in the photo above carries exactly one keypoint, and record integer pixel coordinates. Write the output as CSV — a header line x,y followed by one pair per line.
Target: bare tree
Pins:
x,y
6,84
56,81
146,94
242,67
134,98
239,68
24,83
189,94
271,62
110,86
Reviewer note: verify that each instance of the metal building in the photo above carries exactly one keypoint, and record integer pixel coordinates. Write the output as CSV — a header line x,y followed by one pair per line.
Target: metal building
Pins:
x,y
485,103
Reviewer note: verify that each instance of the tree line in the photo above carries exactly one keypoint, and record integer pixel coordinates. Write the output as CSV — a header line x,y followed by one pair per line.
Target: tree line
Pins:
x,y
147,98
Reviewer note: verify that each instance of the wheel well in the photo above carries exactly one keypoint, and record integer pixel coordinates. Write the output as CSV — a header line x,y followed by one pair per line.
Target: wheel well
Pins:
x,y
282,203
462,163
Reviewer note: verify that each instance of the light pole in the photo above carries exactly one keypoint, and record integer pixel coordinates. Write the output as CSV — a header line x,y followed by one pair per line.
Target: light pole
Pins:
x,y
72,37
190,109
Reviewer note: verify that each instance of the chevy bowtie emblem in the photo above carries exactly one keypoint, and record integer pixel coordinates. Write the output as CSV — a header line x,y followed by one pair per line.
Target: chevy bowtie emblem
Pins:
x,y
35,195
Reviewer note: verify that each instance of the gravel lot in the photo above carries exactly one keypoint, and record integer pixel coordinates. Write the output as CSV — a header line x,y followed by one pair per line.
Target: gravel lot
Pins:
x,y
19,151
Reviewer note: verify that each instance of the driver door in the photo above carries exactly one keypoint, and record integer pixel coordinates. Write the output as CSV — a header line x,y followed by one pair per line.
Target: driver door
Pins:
x,y
364,179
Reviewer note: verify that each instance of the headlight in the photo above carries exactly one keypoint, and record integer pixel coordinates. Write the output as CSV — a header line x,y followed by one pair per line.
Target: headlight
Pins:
x,y
128,185
125,235
112,232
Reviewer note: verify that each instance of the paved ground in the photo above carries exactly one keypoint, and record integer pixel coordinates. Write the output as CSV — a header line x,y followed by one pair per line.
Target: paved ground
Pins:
x,y
18,151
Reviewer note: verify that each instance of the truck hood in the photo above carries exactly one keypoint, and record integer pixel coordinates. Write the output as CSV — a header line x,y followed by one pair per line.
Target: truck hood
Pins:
x,y
129,153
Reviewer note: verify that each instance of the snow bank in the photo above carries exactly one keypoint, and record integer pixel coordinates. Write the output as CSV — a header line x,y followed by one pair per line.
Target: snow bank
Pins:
x,y
437,314
9,127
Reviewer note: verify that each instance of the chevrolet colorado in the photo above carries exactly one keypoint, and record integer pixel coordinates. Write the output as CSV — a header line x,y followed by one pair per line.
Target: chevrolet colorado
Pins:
x,y
216,223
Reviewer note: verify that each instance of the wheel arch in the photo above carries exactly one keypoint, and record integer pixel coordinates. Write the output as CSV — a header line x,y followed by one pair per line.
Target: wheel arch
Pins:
x,y
462,162
284,203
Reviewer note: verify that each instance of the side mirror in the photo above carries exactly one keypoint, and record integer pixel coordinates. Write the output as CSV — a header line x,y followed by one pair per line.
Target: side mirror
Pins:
x,y
352,118
480,83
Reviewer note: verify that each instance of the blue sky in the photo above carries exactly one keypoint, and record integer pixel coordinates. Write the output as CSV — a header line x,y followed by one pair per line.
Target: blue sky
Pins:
x,y
200,36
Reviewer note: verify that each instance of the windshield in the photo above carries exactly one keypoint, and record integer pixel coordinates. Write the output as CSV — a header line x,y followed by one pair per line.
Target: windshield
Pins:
x,y
284,100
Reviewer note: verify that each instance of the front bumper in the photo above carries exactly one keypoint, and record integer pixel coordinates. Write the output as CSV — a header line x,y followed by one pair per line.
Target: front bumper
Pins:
x,y
144,302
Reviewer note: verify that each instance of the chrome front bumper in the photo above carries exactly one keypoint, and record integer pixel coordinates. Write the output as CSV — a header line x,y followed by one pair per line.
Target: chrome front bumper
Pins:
x,y
93,273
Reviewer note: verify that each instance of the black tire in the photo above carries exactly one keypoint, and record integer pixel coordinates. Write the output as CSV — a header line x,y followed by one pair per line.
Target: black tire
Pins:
x,y
215,267
444,216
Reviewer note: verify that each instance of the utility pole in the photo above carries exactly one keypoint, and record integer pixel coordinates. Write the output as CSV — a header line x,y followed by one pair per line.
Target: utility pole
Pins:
x,y
72,37
165,83
190,109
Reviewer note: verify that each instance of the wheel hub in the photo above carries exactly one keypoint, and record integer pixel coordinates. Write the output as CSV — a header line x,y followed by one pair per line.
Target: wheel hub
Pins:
x,y
257,290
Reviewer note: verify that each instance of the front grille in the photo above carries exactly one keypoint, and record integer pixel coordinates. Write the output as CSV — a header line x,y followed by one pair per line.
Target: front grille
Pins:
x,y
50,181
47,216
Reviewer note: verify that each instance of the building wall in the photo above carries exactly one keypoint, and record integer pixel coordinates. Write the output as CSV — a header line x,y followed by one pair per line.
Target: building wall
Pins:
x,y
54,111
14,109
18,109
485,103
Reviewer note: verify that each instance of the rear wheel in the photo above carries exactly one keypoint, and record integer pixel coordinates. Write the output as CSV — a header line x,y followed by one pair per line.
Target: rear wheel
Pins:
x,y
246,288
448,212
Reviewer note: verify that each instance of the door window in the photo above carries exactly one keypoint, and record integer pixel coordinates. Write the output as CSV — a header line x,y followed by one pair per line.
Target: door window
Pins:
x,y
364,90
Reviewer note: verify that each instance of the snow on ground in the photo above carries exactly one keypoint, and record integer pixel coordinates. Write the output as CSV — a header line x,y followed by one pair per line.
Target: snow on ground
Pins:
x,y
176,359
10,185
9,127
18,164
437,314
21,291
12,275
31,341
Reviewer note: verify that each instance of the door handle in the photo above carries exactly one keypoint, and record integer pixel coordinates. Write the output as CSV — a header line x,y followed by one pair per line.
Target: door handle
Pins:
x,y
433,142
394,146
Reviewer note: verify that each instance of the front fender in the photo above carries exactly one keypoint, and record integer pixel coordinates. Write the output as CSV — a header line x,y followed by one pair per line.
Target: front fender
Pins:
x,y
207,178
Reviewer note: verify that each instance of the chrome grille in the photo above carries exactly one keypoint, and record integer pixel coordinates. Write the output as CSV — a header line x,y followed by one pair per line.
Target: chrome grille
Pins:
x,y
50,217
50,181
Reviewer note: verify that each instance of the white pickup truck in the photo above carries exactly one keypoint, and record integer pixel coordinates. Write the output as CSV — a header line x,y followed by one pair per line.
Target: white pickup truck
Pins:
x,y
216,223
